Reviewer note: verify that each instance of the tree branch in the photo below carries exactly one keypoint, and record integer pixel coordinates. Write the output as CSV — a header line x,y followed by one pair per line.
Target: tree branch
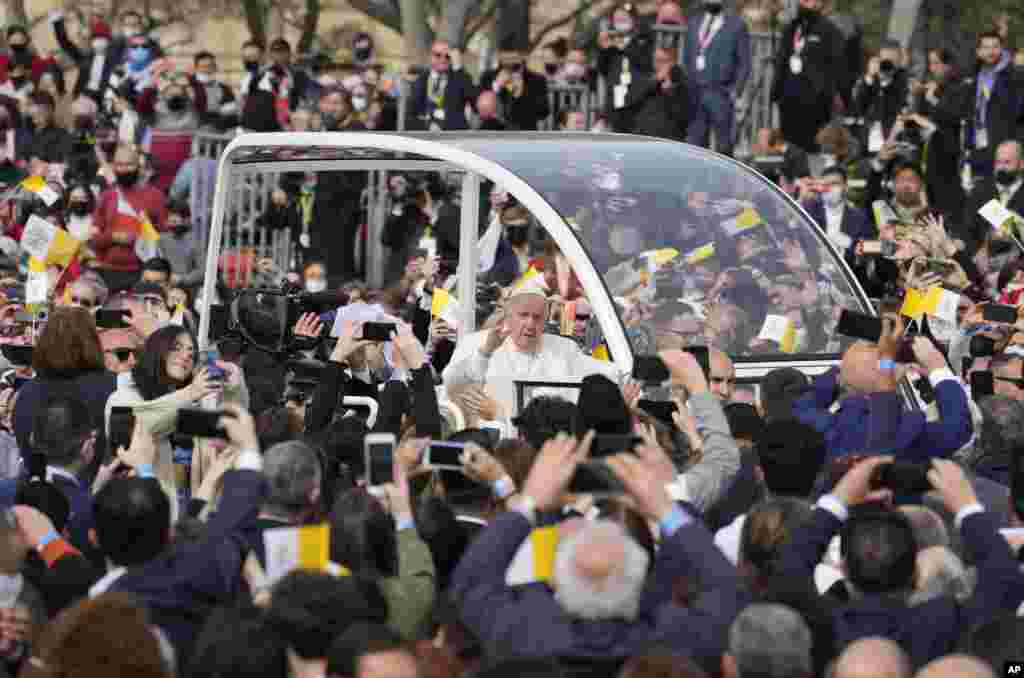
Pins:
x,y
481,20
309,25
561,21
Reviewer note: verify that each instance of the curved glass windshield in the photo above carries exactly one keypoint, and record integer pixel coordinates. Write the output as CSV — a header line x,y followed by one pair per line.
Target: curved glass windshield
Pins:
x,y
694,248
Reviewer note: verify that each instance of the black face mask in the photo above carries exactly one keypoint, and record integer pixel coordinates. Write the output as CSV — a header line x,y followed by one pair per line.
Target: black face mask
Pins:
x,y
127,179
713,7
18,83
517,235
362,54
19,49
806,13
79,209
177,103
329,121
84,122
551,69
251,65
181,230
1006,177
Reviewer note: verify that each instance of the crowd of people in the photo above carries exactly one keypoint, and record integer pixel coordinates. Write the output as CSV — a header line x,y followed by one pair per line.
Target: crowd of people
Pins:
x,y
341,483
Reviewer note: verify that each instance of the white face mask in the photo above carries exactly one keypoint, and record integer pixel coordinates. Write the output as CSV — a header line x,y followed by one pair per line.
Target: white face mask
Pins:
x,y
203,77
829,160
833,197
315,285
359,103
100,45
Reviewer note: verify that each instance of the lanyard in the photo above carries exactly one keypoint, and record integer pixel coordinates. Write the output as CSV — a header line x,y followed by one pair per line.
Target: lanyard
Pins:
x,y
709,31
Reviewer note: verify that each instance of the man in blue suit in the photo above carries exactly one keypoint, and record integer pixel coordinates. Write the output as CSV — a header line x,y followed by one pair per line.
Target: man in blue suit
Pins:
x,y
844,224
440,96
718,61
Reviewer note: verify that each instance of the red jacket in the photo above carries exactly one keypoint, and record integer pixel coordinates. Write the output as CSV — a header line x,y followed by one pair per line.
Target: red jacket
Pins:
x,y
121,257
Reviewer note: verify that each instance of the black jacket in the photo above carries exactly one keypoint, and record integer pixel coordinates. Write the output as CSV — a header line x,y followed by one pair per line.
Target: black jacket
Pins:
x,y
877,103
824,63
654,112
84,61
528,111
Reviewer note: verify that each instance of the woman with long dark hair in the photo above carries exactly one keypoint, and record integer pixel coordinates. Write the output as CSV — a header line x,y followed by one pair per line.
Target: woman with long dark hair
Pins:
x,y
166,379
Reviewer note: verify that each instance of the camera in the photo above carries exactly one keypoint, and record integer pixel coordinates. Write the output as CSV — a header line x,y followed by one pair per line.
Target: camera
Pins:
x,y
887,67
265,318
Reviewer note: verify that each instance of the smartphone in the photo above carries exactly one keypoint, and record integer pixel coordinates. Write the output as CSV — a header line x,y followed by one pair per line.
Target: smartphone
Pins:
x,y
595,478
444,455
982,384
703,358
199,423
122,424
378,331
607,444
494,430
107,319
650,369
925,390
901,478
17,354
859,326
378,455
999,313
982,346
661,410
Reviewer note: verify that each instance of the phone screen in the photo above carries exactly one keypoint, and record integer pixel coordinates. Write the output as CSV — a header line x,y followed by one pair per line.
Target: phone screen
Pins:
x,y
379,459
444,455
859,326
605,445
200,423
378,331
122,423
999,313
982,384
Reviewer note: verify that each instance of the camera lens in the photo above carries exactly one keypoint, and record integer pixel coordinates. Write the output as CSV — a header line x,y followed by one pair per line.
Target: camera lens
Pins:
x,y
982,347
887,66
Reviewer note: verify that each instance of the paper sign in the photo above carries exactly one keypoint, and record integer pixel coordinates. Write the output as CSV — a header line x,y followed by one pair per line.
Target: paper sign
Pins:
x,y
997,214
937,301
781,330
37,287
37,236
884,213
294,548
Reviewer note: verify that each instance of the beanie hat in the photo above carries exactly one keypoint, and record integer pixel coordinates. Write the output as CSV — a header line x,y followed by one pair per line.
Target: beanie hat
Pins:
x,y
100,29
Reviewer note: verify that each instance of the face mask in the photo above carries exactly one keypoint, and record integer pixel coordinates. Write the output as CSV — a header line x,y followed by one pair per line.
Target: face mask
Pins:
x,y
180,229
362,53
138,55
517,235
1005,177
127,179
100,45
551,69
328,120
79,209
84,122
833,197
359,103
315,285
20,48
713,7
251,65
177,103
625,26
806,13
829,160
203,78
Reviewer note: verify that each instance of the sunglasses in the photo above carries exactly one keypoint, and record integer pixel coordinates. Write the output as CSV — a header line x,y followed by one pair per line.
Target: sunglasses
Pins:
x,y
123,354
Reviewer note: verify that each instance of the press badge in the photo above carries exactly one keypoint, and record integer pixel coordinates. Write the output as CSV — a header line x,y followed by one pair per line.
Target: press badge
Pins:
x,y
702,63
796,64
876,138
439,114
619,95
981,139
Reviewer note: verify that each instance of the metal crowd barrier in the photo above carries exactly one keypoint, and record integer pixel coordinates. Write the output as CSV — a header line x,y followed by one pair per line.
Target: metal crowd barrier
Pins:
x,y
755,109
671,36
568,97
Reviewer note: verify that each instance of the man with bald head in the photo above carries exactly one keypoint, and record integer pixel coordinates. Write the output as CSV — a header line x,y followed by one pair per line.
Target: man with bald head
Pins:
x,y
873,658
594,605
872,418
956,666
487,110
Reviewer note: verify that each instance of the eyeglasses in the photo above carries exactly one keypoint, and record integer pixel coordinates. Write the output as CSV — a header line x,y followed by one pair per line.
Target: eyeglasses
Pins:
x,y
123,354
83,302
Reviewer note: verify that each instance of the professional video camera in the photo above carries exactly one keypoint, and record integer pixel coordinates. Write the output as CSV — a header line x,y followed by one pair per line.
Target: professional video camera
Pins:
x,y
265,318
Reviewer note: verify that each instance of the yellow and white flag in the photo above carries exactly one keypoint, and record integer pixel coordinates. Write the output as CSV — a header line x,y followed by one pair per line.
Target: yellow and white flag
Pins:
x,y
147,245
48,243
296,548
744,221
781,330
998,215
700,254
445,306
37,185
936,301
535,559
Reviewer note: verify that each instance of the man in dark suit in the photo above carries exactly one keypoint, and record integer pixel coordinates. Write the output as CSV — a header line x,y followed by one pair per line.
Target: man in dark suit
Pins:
x,y
718,59
809,71
844,224
625,56
879,554
440,96
1005,186
523,94
998,102
94,65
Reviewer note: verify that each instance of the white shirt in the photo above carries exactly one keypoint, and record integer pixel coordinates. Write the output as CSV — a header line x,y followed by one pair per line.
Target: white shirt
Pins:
x,y
834,226
557,360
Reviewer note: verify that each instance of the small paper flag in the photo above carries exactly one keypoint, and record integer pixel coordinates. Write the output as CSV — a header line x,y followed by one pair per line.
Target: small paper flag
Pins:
x,y
439,302
744,221
781,330
936,301
662,256
37,184
48,243
601,353
998,215
700,254
535,559
884,213
296,548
